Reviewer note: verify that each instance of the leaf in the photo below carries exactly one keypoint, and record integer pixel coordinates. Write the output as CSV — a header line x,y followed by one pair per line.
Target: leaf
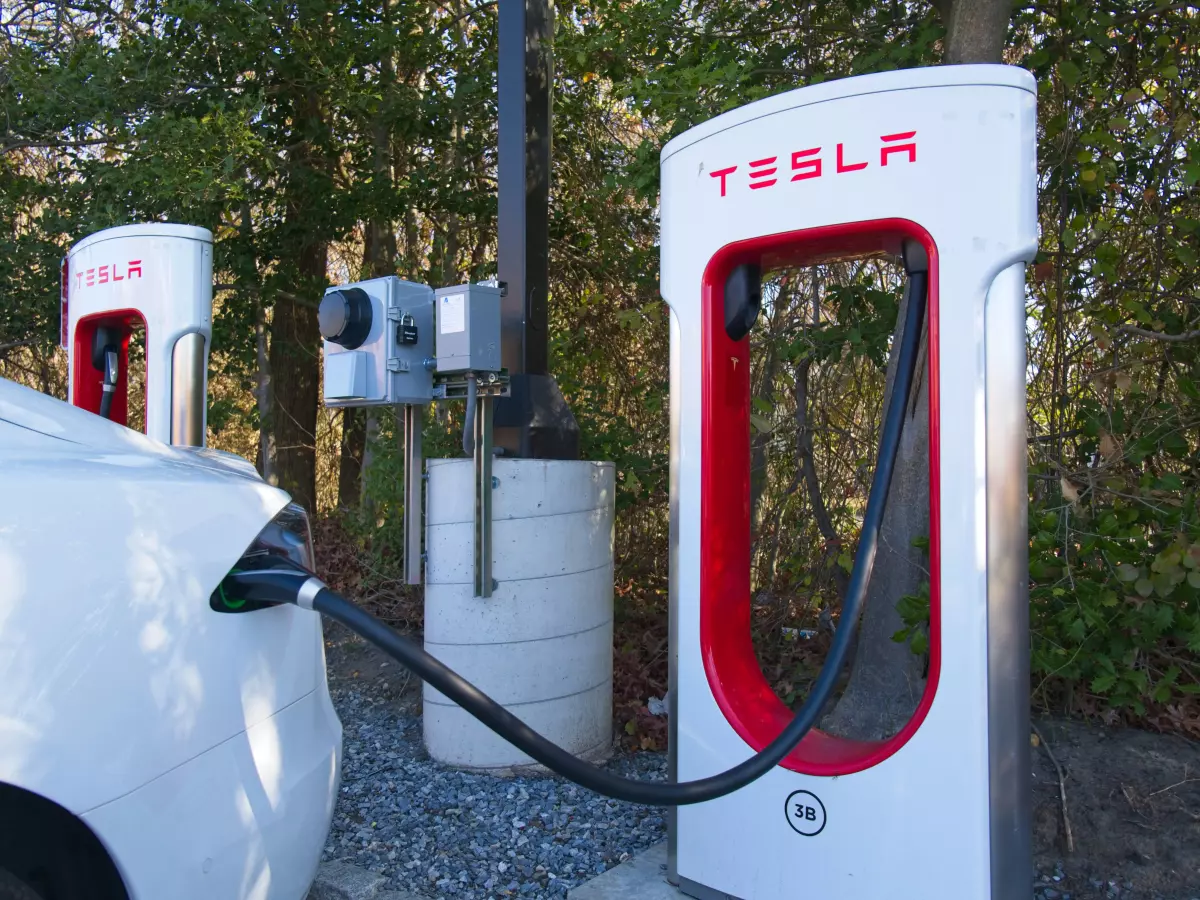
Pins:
x,y
1193,578
1101,684
1176,444
1109,448
1144,586
1126,572
1069,73
761,424
1069,491
1170,482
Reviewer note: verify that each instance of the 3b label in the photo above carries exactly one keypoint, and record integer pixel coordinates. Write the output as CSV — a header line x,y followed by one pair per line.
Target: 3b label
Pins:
x,y
805,813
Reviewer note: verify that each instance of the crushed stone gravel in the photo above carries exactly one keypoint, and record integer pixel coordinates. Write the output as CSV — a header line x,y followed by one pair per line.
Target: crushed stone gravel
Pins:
x,y
442,833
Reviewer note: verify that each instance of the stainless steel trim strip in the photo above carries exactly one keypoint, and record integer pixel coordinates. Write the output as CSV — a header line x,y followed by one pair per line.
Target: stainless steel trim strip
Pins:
x,y
675,398
188,391
483,497
1010,777
413,419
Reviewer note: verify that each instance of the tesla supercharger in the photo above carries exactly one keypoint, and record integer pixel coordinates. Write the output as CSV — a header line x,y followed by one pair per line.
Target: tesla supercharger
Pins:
x,y
150,282
936,166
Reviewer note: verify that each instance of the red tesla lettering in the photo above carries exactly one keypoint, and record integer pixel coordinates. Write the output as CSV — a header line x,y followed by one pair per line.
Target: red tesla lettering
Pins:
x,y
806,168
116,276
841,164
722,173
763,175
91,277
135,265
78,280
104,274
909,148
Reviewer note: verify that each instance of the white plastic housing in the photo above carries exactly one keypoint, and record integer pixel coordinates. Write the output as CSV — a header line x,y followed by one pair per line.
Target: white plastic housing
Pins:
x,y
156,280
943,158
382,371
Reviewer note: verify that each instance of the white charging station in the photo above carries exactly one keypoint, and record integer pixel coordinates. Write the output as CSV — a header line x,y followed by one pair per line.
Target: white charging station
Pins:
x,y
938,163
155,280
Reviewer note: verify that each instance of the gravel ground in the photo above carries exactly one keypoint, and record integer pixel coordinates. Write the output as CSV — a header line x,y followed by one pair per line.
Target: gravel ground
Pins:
x,y
446,834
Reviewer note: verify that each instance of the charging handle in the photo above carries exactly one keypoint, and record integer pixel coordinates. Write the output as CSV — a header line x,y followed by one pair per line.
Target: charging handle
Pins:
x,y
743,300
106,358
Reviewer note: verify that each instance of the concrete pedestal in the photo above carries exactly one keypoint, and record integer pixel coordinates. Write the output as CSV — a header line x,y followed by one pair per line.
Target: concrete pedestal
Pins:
x,y
542,643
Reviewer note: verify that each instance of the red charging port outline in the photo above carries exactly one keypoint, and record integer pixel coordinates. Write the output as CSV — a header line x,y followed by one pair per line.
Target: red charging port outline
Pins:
x,y
87,380
737,683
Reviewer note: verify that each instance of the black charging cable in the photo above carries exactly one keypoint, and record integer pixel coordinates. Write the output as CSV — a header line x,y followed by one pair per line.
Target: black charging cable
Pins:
x,y
287,585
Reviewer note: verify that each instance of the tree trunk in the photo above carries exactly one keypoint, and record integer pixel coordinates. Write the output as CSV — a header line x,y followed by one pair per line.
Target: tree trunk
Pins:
x,y
266,438
887,680
294,355
350,464
975,30
295,338
370,437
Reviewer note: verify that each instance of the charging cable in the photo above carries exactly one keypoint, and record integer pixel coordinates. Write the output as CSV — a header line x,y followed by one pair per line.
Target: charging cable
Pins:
x,y
283,584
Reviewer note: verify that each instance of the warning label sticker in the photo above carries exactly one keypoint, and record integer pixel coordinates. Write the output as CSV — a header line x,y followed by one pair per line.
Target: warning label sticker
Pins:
x,y
452,314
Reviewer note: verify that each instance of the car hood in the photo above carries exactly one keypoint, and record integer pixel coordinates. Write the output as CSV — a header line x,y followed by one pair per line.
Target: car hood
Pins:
x,y
29,419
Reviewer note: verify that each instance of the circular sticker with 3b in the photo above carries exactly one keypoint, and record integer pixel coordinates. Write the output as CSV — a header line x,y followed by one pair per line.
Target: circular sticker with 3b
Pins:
x,y
805,813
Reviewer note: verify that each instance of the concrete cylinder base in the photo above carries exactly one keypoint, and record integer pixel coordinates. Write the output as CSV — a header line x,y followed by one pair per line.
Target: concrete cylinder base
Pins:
x,y
542,643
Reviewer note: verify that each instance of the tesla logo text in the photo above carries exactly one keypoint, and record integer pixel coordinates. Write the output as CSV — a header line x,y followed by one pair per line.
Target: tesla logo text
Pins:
x,y
105,274
808,163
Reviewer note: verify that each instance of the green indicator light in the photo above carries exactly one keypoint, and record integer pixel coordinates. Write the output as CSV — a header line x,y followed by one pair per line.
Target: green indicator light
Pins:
x,y
230,604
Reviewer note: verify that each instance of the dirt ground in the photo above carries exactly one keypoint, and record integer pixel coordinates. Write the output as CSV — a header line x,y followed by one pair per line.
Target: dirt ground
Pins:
x,y
1132,797
1133,804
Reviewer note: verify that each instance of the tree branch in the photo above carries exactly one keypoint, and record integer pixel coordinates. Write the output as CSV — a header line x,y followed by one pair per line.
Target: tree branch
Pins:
x,y
1160,335
4,348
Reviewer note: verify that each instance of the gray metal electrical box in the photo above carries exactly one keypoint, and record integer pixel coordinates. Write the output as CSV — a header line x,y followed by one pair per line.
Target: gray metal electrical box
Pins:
x,y
468,328
378,339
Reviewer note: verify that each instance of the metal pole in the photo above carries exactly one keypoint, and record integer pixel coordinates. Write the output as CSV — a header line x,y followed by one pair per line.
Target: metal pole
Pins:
x,y
524,107
413,420
483,497
535,421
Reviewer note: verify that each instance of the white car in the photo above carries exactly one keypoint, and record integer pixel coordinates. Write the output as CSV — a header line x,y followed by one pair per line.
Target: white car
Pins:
x,y
151,746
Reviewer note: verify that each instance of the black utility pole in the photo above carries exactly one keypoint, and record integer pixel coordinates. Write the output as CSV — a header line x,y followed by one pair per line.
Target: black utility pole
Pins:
x,y
535,422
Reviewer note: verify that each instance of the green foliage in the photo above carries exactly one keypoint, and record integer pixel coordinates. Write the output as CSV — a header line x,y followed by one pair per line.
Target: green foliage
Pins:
x,y
1116,606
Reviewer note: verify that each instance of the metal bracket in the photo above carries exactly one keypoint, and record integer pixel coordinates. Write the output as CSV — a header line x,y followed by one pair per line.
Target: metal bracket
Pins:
x,y
483,496
454,387
489,386
413,420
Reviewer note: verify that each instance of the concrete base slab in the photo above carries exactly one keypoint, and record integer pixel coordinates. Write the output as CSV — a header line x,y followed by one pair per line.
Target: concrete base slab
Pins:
x,y
644,877
342,881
